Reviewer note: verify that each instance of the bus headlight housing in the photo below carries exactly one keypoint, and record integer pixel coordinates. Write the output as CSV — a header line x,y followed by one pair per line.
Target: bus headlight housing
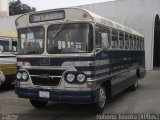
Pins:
x,y
81,78
70,77
22,75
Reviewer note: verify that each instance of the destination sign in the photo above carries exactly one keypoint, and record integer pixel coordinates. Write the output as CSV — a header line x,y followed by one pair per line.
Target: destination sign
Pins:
x,y
47,16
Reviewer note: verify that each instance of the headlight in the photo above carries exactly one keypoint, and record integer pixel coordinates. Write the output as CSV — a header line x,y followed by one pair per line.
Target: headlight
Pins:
x,y
19,75
27,64
70,77
80,77
24,75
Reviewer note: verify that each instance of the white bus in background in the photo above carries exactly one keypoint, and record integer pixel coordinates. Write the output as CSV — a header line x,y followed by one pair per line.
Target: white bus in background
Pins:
x,y
8,48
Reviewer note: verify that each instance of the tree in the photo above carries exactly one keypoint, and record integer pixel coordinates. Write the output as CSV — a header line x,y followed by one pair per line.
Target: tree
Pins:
x,y
17,7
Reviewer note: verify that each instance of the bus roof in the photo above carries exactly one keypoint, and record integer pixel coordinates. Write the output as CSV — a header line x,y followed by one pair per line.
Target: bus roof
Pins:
x,y
69,14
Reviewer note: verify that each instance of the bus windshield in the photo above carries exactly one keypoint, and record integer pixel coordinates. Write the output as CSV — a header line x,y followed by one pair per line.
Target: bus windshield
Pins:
x,y
30,40
69,38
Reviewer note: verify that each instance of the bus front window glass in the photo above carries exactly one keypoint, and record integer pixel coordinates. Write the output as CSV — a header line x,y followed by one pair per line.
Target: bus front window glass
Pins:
x,y
69,38
4,45
14,46
31,40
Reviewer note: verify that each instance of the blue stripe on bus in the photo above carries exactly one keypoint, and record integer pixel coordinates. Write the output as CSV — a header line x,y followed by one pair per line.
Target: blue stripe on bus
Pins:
x,y
55,61
110,54
7,56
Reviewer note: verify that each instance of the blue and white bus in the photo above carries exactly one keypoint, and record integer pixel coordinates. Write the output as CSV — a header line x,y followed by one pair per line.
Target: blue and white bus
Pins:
x,y
73,55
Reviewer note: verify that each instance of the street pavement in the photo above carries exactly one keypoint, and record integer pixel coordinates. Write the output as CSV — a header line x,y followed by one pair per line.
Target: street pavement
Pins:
x,y
145,100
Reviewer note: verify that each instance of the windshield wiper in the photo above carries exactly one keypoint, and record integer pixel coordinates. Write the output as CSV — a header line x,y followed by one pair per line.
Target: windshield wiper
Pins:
x,y
60,29
32,32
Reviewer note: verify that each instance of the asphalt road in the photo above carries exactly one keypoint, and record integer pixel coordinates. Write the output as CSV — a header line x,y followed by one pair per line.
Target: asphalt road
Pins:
x,y
145,100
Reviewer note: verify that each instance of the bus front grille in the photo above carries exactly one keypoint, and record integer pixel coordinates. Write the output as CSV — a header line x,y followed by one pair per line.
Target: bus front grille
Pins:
x,y
46,77
45,82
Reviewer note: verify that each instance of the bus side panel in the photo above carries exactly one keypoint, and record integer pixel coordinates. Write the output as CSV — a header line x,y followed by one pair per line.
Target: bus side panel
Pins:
x,y
120,68
102,68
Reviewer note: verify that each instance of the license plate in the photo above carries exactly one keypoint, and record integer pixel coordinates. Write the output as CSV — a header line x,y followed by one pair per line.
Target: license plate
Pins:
x,y
44,94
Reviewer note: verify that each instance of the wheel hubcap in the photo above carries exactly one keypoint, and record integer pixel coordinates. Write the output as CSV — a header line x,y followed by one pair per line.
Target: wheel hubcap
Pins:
x,y
102,97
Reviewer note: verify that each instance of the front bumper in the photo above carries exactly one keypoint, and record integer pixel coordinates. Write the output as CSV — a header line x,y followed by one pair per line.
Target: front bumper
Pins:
x,y
59,95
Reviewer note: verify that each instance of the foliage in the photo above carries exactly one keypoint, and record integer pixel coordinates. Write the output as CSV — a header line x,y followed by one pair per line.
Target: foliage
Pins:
x,y
17,7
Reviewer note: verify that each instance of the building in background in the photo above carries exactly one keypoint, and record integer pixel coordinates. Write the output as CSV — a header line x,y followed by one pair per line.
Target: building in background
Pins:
x,y
7,27
141,15
7,23
4,8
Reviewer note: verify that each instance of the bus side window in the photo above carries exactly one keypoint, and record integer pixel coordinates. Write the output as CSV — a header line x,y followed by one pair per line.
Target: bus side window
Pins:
x,y
126,41
108,38
135,42
102,38
131,41
114,39
143,46
121,40
138,44
98,41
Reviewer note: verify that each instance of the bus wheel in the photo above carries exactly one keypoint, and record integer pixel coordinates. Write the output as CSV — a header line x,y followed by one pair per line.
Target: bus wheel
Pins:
x,y
101,101
38,104
134,86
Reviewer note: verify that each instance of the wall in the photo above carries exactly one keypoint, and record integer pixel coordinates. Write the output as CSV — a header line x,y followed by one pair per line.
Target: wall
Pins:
x,y
7,26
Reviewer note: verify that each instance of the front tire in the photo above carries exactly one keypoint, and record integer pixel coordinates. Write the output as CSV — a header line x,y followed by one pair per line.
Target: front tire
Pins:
x,y
101,101
38,104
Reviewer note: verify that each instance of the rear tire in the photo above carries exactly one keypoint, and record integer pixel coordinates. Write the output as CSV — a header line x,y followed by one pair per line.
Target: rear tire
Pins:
x,y
38,104
101,101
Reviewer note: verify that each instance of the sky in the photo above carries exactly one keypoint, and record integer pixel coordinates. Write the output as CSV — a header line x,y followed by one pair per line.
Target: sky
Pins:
x,y
51,4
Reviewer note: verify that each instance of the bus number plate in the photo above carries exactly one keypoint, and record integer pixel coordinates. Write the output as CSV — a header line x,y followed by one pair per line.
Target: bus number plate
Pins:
x,y
44,94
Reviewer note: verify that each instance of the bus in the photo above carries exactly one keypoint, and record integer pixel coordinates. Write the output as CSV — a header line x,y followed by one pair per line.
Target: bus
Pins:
x,y
8,63
75,56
